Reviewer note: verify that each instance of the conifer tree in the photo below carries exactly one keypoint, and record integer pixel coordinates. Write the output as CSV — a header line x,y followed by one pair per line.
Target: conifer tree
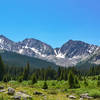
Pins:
x,y
26,72
61,76
59,73
65,75
2,71
71,81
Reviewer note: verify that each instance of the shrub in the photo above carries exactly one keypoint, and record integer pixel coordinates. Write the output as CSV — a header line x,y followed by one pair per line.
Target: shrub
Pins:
x,y
77,85
94,78
45,86
95,93
53,92
20,79
53,84
6,78
98,83
85,83
98,77
34,80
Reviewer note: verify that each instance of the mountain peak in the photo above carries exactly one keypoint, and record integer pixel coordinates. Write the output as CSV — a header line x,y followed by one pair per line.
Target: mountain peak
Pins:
x,y
76,41
2,36
69,54
71,40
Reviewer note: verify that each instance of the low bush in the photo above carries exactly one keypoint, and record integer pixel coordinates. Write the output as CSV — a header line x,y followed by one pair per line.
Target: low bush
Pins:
x,y
95,93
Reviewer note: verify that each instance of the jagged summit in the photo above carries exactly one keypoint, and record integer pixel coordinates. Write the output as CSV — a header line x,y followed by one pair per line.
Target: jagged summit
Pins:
x,y
68,54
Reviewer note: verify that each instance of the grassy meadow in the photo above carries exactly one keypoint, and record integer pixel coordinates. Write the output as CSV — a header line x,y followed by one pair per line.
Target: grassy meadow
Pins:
x,y
57,90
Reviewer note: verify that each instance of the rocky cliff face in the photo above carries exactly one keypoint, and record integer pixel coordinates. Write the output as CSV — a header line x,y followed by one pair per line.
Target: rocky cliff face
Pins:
x,y
69,54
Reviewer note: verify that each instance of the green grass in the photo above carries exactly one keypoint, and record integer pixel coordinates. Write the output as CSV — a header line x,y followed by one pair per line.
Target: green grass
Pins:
x,y
95,93
57,90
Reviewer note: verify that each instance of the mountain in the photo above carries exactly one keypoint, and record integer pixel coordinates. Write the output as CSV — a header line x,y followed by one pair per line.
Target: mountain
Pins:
x,y
15,59
77,48
90,61
33,47
73,52
29,47
69,54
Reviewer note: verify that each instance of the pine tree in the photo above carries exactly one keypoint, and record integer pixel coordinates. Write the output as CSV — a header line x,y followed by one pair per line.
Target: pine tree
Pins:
x,y
2,71
71,81
59,73
61,76
45,75
26,72
65,75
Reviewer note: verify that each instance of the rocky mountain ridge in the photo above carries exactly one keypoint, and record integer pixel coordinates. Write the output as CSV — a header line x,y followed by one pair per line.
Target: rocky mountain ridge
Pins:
x,y
70,53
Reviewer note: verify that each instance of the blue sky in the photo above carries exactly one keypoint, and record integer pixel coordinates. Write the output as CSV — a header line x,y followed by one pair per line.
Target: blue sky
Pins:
x,y
51,21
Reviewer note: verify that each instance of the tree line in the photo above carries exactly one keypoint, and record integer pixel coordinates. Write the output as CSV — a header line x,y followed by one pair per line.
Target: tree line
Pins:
x,y
72,74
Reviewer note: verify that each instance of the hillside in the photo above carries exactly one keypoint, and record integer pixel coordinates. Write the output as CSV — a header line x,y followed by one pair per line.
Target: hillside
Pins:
x,y
15,59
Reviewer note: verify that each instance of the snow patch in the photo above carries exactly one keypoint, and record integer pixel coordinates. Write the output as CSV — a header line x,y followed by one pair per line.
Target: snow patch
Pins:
x,y
55,52
34,50
37,52
21,51
26,47
60,55
1,40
